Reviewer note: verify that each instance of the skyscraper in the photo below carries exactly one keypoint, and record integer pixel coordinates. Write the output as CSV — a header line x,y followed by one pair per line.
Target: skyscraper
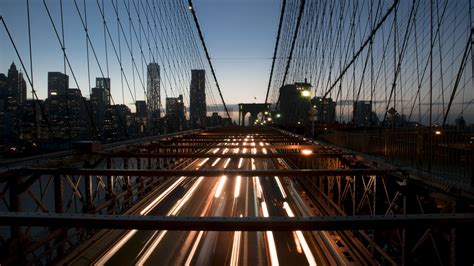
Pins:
x,y
153,90
175,113
99,103
197,106
362,113
58,83
104,83
325,110
17,85
294,104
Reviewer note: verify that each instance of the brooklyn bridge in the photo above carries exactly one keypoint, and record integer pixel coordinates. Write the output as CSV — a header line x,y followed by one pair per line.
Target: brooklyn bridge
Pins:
x,y
146,132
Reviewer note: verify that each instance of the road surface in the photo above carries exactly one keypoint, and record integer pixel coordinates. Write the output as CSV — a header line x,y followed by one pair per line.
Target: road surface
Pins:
x,y
238,196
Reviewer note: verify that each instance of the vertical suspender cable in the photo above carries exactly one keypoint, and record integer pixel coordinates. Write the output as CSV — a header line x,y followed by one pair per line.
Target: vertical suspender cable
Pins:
x,y
282,13
295,36
207,54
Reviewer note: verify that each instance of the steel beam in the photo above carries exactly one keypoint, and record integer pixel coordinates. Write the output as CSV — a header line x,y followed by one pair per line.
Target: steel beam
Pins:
x,y
181,223
230,154
156,173
281,147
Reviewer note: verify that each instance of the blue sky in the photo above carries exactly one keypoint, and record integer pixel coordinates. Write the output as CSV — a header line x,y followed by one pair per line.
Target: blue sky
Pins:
x,y
241,39
240,36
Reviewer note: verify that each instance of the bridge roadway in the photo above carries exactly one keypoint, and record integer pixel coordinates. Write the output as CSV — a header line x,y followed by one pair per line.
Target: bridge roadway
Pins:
x,y
257,196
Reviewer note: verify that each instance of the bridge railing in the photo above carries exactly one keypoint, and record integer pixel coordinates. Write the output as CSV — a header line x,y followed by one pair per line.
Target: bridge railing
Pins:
x,y
71,193
445,153
395,191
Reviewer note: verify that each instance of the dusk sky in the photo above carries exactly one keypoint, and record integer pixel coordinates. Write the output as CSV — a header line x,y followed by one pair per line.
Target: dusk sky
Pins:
x,y
240,35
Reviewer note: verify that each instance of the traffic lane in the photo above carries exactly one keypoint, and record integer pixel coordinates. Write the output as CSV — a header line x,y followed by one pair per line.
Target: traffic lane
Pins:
x,y
127,253
132,241
175,245
288,248
324,249
298,248
199,203
229,247
315,245
215,246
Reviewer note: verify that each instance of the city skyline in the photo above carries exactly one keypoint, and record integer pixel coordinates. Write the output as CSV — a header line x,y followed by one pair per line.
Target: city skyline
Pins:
x,y
240,36
49,58
236,132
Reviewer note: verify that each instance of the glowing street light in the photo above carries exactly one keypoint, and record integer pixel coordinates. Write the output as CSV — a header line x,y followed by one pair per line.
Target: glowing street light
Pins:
x,y
306,93
306,152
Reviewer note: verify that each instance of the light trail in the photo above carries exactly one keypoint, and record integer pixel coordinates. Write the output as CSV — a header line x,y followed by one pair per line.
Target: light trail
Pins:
x,y
238,180
216,150
215,162
240,162
203,162
145,211
254,167
258,187
193,250
111,252
158,199
302,240
151,248
225,151
227,163
297,243
244,150
264,151
234,259
280,187
186,197
220,186
176,208
236,150
270,239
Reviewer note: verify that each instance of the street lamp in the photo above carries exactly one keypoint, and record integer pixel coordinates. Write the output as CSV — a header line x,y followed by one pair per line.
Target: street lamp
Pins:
x,y
306,93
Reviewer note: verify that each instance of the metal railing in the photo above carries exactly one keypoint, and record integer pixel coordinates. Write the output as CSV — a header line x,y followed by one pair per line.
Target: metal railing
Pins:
x,y
445,153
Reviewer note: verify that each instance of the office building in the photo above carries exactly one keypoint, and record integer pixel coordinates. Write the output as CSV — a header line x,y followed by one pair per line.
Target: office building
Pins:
x,y
58,83
294,105
197,108
104,83
175,113
325,110
153,90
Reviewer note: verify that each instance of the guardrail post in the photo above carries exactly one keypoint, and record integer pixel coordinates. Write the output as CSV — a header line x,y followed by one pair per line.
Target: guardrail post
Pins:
x,y
452,240
404,235
471,159
59,208
110,187
88,193
15,206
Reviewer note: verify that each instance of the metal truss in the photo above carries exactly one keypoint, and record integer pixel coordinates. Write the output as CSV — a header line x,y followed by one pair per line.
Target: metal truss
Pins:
x,y
315,223
54,203
392,193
